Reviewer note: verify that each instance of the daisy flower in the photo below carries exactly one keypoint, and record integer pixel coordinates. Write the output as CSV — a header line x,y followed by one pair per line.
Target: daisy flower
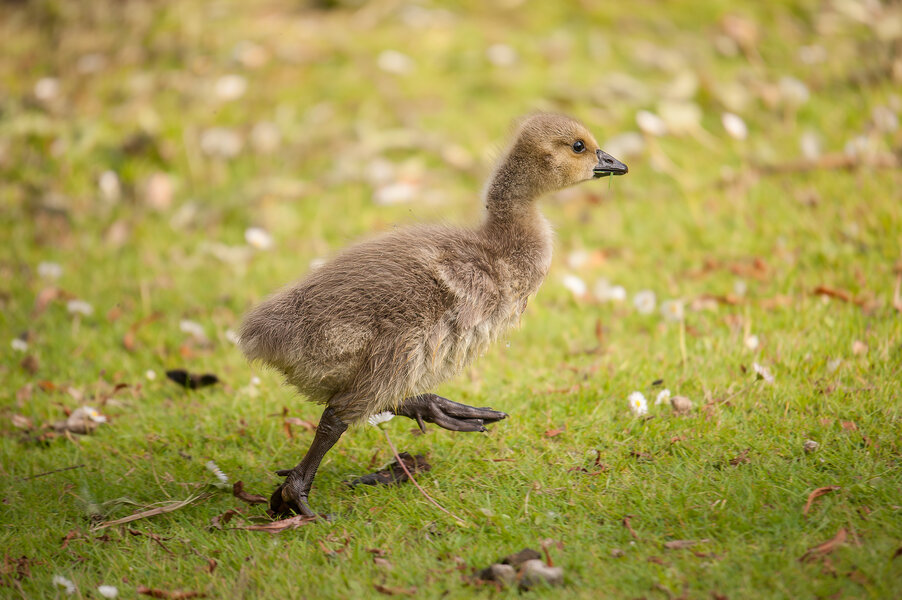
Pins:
x,y
644,302
663,397
638,404
379,418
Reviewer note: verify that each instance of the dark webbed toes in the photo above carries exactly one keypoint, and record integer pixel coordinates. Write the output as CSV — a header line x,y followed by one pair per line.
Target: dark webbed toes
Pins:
x,y
447,413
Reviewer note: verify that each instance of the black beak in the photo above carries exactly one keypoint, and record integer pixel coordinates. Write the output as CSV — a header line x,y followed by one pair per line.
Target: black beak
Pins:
x,y
608,165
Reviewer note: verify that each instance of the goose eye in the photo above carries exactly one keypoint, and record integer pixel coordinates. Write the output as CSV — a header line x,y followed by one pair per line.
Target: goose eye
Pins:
x,y
579,146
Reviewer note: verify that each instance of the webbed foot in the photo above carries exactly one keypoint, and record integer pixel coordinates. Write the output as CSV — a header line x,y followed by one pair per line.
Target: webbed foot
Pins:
x,y
448,414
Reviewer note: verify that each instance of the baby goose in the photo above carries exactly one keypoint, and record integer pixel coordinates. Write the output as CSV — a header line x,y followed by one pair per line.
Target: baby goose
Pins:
x,y
387,320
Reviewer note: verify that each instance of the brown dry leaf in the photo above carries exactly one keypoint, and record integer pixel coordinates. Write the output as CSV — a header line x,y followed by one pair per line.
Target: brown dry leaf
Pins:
x,y
382,562
15,569
827,547
31,364
43,300
281,525
680,544
550,433
817,494
839,294
238,492
849,425
74,533
22,422
168,595
394,473
742,457
307,425
393,591
219,521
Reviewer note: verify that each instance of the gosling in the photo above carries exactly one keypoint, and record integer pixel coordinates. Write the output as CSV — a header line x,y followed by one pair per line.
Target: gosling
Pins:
x,y
384,322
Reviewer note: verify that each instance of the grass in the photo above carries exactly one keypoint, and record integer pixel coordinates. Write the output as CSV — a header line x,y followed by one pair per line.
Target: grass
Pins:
x,y
693,216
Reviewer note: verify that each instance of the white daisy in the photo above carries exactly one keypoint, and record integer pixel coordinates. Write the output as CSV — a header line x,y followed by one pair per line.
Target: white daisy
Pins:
x,y
214,468
380,418
663,397
66,584
644,302
638,404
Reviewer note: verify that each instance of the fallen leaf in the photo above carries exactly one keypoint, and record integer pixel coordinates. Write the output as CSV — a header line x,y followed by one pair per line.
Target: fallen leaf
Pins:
x,y
825,548
742,457
191,381
307,425
219,521
31,364
168,595
680,544
74,533
550,433
817,494
394,473
281,525
238,492
393,591
22,422
839,294
849,425
384,563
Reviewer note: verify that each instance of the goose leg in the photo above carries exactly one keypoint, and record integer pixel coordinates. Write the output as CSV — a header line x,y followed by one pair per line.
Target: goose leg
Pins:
x,y
291,496
447,413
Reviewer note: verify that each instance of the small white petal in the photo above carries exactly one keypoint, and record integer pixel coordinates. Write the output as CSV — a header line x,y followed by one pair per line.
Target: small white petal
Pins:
x,y
213,468
108,591
230,87
576,285
150,374
19,345
192,328
651,123
501,55
392,61
810,144
673,310
109,185
663,397
255,380
763,373
79,307
751,342
734,126
258,238
46,89
645,302
66,584
792,91
49,270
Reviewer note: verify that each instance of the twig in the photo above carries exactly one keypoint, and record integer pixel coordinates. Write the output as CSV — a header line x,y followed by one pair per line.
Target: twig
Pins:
x,y
410,476
52,472
153,511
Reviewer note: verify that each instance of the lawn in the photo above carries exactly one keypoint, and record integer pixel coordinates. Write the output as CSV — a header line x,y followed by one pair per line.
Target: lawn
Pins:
x,y
165,165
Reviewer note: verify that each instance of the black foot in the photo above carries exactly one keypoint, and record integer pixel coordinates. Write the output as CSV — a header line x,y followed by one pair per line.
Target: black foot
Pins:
x,y
290,497
447,413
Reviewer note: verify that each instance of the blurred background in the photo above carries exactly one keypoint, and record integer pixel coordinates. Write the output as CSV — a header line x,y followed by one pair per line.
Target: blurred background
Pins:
x,y
186,158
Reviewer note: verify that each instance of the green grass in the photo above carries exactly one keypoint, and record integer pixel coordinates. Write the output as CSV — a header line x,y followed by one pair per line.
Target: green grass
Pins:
x,y
676,225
